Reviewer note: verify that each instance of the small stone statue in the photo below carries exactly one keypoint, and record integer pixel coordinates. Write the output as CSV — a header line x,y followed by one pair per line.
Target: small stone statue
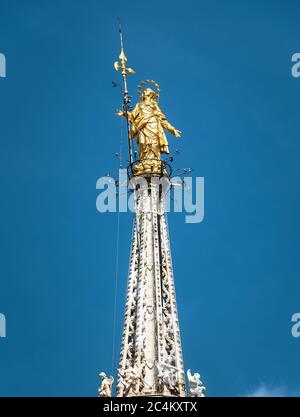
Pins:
x,y
105,389
167,378
196,387
128,380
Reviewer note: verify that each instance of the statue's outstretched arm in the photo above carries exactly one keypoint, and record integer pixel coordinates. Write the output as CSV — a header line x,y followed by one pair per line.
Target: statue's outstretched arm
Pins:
x,y
167,126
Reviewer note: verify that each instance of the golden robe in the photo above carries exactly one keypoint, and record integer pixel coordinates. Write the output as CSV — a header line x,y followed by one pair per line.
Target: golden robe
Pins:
x,y
147,125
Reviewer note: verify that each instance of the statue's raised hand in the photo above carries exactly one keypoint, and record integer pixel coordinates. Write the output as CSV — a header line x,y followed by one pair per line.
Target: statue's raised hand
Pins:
x,y
120,113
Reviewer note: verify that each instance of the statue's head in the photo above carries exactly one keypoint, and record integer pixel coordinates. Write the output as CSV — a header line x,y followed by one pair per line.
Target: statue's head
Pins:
x,y
197,376
102,375
148,93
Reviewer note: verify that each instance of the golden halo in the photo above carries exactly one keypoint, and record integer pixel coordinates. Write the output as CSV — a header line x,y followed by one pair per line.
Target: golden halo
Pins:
x,y
142,84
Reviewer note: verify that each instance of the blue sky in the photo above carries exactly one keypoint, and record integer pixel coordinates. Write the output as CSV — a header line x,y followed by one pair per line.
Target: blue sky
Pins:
x,y
225,74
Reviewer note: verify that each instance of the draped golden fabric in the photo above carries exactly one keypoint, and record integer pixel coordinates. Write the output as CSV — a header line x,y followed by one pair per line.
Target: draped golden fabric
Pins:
x,y
148,123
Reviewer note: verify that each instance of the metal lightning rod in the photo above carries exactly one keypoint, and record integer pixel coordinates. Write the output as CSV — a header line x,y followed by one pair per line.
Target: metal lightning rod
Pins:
x,y
126,98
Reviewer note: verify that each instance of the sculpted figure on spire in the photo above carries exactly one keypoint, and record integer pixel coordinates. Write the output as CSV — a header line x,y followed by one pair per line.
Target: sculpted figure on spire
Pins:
x,y
147,125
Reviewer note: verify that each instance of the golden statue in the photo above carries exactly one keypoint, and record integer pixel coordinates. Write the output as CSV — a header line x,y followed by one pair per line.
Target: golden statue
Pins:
x,y
147,124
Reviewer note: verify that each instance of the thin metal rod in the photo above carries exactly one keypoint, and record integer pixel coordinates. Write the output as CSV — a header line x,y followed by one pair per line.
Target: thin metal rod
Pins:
x,y
126,100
